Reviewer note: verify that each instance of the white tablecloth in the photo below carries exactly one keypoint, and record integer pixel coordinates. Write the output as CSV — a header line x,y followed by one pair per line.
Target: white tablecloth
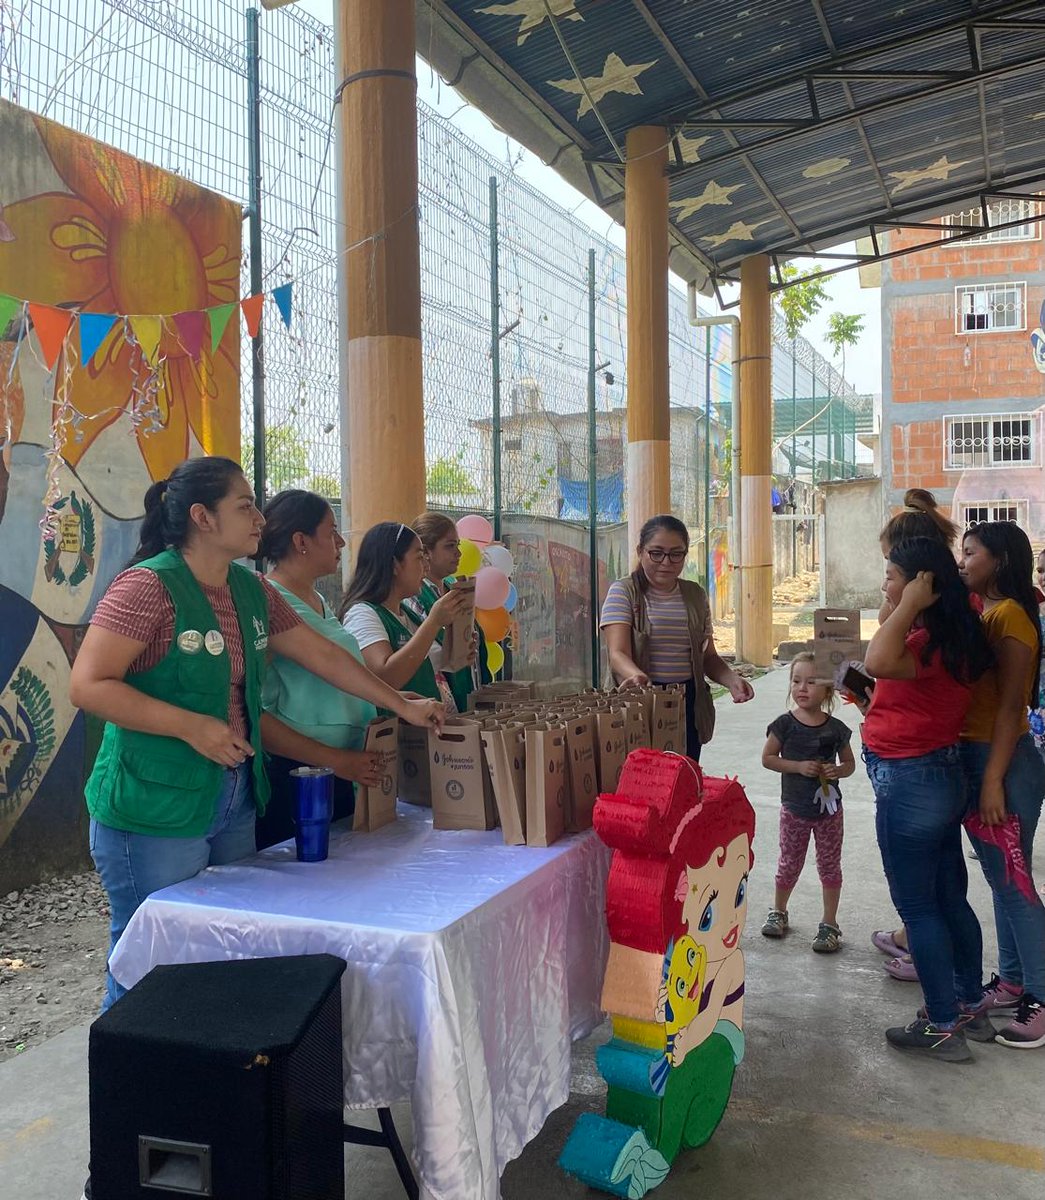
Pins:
x,y
471,967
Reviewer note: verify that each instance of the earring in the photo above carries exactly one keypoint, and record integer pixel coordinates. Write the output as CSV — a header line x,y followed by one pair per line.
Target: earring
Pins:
x,y
304,549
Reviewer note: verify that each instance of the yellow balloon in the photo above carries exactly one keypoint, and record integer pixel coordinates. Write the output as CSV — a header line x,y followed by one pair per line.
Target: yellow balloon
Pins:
x,y
471,558
494,658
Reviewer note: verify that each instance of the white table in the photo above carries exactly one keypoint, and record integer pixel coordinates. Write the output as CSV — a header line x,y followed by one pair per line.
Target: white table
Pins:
x,y
472,966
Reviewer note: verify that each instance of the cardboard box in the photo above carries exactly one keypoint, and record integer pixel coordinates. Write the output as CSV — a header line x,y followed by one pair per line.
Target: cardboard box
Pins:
x,y
462,796
836,642
505,749
415,780
545,785
376,806
582,773
460,633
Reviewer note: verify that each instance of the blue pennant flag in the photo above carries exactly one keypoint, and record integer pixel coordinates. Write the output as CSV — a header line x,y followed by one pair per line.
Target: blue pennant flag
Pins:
x,y
94,328
282,297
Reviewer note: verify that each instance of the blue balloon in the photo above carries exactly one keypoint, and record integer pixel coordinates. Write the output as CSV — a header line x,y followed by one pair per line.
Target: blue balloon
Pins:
x,y
513,598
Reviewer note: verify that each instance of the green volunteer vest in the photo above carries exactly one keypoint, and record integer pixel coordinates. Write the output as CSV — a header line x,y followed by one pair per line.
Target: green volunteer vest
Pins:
x,y
423,680
152,784
462,682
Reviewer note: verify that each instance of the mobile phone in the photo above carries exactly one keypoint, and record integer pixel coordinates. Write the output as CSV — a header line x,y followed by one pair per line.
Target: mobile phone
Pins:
x,y
858,683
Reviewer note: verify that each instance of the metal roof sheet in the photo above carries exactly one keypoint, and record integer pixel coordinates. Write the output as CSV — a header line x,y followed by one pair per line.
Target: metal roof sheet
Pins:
x,y
795,124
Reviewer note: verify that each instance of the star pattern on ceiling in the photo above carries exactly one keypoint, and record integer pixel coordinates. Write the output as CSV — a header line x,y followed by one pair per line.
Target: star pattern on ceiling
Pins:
x,y
616,76
939,170
532,13
689,147
714,193
739,231
826,167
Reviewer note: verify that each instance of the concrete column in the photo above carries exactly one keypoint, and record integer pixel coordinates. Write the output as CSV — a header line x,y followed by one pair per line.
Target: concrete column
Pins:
x,y
646,232
382,269
756,434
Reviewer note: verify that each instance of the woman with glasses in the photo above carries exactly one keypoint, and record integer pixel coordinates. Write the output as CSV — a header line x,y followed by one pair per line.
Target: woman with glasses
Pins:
x,y
305,721
658,629
390,568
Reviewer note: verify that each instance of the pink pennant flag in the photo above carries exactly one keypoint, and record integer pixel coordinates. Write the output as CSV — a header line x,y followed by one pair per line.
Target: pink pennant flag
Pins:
x,y
191,328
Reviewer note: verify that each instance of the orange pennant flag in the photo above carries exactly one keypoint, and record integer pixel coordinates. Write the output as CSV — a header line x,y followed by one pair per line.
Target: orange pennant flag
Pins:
x,y
51,325
252,312
147,330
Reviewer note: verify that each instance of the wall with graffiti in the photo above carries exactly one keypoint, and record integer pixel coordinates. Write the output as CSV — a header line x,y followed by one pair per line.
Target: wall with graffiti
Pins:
x,y
91,411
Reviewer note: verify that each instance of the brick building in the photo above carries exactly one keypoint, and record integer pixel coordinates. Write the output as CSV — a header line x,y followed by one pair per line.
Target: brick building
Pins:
x,y
962,397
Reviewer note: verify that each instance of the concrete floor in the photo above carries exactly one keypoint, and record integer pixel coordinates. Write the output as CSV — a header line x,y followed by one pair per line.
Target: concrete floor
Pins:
x,y
821,1107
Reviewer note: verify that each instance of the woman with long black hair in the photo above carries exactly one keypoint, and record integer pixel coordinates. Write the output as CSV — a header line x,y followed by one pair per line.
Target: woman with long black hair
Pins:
x,y
926,656
173,662
1005,773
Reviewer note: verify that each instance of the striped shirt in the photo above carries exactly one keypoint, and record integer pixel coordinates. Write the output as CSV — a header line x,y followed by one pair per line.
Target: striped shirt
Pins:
x,y
670,653
138,606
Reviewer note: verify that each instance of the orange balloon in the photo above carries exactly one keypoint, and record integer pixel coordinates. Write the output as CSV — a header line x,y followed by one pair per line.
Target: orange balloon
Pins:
x,y
494,622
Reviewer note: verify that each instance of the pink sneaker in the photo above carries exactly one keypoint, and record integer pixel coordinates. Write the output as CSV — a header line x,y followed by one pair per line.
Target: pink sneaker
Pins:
x,y
999,996
1027,1031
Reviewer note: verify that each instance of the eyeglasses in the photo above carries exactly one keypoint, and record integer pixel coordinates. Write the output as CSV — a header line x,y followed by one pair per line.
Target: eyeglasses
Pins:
x,y
673,556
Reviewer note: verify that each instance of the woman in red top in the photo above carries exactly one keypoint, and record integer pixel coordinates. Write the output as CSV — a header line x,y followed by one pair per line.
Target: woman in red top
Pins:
x,y
926,655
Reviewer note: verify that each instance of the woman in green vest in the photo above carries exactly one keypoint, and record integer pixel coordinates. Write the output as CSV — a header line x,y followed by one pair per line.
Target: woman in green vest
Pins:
x,y
305,721
173,663
390,568
442,545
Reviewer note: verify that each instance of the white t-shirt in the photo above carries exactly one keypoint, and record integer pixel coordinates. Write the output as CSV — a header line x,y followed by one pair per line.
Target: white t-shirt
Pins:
x,y
365,626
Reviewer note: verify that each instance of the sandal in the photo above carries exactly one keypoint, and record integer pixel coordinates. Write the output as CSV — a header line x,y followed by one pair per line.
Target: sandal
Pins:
x,y
882,939
828,938
902,968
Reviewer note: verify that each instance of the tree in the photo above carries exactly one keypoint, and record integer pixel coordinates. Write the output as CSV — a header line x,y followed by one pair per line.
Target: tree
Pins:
x,y
448,479
799,302
286,459
842,331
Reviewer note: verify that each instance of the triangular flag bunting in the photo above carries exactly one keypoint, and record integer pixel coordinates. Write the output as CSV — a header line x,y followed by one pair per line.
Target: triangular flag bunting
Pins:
x,y
9,306
146,330
94,329
190,332
219,319
51,325
282,297
252,312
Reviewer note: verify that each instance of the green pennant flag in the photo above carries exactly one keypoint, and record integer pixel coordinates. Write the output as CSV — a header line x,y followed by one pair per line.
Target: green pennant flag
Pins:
x,y
219,319
9,306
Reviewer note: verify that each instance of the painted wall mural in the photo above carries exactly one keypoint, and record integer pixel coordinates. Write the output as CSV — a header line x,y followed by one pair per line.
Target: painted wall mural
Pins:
x,y
91,411
676,905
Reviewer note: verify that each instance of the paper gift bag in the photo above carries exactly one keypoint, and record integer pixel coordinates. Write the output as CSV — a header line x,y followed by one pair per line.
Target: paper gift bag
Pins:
x,y
460,633
376,806
669,721
611,749
462,797
545,786
415,781
506,761
582,773
635,728
836,642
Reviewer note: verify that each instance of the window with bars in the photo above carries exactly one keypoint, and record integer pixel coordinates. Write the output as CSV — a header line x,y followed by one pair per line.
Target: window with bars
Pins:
x,y
1006,440
1000,213
989,307
994,510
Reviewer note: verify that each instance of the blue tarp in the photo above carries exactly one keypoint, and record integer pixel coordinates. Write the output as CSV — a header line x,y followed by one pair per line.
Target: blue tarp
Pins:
x,y
609,498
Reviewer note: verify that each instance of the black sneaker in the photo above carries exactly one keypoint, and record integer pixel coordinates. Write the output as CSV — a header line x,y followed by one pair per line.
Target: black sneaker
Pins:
x,y
973,1022
923,1037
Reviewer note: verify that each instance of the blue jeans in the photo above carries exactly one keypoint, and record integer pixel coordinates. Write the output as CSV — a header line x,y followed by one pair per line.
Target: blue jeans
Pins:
x,y
1020,922
919,807
134,865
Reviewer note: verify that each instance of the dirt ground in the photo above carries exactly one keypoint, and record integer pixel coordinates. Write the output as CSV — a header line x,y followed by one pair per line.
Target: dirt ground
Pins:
x,y
53,941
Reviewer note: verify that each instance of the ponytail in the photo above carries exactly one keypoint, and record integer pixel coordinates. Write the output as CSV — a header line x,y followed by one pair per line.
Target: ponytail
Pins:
x,y
168,502
919,518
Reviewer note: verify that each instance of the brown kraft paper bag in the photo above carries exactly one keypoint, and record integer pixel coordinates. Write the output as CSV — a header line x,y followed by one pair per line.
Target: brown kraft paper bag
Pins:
x,y
611,742
415,780
462,797
669,721
506,761
545,786
635,728
458,639
582,772
376,806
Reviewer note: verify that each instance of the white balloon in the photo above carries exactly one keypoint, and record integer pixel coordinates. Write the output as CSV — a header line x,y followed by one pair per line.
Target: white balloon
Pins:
x,y
499,557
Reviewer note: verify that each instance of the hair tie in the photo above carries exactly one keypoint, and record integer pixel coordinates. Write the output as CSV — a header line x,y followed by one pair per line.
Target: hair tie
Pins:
x,y
164,484
911,508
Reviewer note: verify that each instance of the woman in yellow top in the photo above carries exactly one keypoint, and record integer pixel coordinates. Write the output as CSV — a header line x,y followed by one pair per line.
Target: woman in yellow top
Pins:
x,y
1005,773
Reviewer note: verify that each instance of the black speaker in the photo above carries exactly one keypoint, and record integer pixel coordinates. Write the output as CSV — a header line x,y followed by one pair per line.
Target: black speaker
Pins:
x,y
221,1079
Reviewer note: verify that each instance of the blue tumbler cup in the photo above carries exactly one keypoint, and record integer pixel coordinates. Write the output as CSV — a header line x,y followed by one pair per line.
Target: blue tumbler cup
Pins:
x,y
313,806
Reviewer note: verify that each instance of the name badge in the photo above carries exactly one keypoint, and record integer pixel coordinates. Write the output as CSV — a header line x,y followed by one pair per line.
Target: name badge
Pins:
x,y
190,641
214,642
